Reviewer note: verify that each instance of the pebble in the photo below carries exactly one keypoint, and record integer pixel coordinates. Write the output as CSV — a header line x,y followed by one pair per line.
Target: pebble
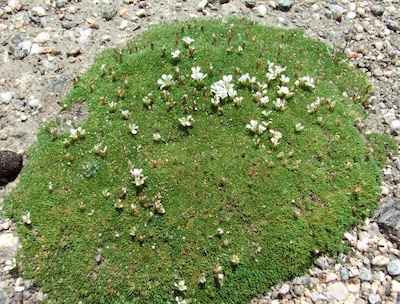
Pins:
x,y
377,10
33,102
395,286
330,277
395,125
23,117
380,261
42,37
261,10
284,5
284,289
110,13
141,13
250,3
393,267
6,97
338,291
74,51
202,5
39,11
124,24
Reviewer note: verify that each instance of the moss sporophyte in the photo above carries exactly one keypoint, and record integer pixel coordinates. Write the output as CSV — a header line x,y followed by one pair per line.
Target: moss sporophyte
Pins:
x,y
208,168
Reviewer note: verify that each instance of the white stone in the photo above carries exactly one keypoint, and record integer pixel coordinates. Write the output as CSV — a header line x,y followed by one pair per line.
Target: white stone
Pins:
x,y
389,117
42,37
261,10
33,102
380,260
25,45
361,246
351,238
40,11
330,277
202,5
141,13
374,298
284,289
384,190
395,286
393,268
395,125
13,4
6,97
36,49
5,226
84,36
353,288
124,24
338,291
351,15
8,242
23,117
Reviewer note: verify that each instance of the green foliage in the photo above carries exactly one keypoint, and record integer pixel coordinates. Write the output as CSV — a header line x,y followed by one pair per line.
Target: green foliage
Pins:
x,y
227,193
382,146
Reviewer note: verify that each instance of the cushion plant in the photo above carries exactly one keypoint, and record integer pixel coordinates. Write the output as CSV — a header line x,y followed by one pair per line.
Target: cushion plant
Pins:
x,y
217,158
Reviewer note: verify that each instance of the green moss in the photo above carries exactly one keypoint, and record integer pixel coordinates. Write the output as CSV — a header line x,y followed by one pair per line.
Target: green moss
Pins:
x,y
276,207
382,146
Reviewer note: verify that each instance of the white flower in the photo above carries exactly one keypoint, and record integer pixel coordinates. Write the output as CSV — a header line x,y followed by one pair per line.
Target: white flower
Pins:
x,y
257,96
165,81
275,141
187,40
133,128
99,150
176,54
10,264
181,287
252,126
227,79
246,80
220,231
280,104
73,134
266,113
138,176
125,114
298,127
235,260
284,92
256,127
312,107
238,101
156,136
215,101
262,87
105,193
27,218
18,287
113,106
284,80
275,137
202,278
197,75
269,77
263,101
186,121
305,81
179,300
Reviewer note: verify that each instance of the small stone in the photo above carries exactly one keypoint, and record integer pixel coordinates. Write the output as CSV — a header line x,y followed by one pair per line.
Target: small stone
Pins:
x,y
3,136
33,102
223,1
374,298
284,5
6,225
110,13
39,296
392,25
124,24
202,5
380,261
141,13
65,24
284,289
91,23
353,288
298,290
10,163
39,11
6,97
338,291
361,246
377,10
74,51
395,125
321,262
395,286
365,275
345,274
60,3
42,37
250,3
123,12
330,277
23,117
393,268
351,15
261,10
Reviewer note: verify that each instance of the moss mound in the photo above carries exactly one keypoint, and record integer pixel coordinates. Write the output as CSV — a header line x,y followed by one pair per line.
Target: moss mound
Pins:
x,y
204,175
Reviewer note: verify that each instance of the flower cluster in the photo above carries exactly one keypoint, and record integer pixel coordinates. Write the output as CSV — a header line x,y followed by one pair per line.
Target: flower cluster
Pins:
x,y
218,274
298,127
280,104
10,264
149,98
274,71
138,176
158,206
305,82
77,133
188,41
284,92
247,81
197,75
27,218
187,121
256,127
275,137
223,89
176,54
312,107
99,150
133,128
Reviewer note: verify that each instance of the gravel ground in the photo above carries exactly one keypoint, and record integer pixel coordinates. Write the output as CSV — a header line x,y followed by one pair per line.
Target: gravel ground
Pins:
x,y
45,44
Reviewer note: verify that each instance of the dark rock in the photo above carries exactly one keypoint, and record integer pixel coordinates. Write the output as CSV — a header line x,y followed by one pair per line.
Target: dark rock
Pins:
x,y
10,164
224,1
35,19
250,3
110,13
392,25
388,219
60,3
284,5
377,10
65,24
17,39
